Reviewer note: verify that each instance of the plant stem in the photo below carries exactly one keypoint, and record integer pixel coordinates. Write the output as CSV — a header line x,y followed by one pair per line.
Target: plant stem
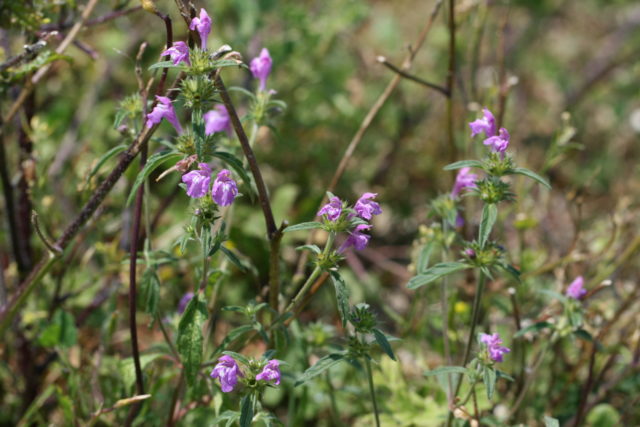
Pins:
x,y
372,390
451,72
335,416
444,305
467,351
314,274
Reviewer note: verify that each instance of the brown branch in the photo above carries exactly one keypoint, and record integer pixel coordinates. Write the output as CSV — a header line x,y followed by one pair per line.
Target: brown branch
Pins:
x,y
406,75
26,91
92,22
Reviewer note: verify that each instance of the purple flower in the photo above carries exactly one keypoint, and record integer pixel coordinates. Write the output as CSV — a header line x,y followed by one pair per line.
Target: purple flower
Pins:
x,y
217,120
500,142
179,52
224,188
486,124
470,253
184,301
261,67
365,206
493,346
228,371
271,372
163,110
459,220
464,179
203,26
576,289
198,181
332,210
356,238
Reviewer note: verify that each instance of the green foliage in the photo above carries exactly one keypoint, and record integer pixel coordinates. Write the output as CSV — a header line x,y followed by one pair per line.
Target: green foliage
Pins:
x,y
190,337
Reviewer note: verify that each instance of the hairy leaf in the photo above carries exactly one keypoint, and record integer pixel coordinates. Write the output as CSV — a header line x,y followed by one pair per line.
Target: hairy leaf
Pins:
x,y
190,337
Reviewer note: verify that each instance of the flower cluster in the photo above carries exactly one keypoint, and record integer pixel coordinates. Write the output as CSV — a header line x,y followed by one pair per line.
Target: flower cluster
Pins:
x,y
224,189
494,346
336,214
228,372
498,140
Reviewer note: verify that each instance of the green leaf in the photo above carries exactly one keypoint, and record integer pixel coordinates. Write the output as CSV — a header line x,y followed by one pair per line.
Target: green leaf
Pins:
x,y
446,370
61,331
553,294
238,357
128,371
313,248
235,164
489,378
166,64
536,327
150,291
489,215
507,377
303,226
233,335
464,164
151,165
190,337
532,175
434,273
233,258
583,335
321,365
246,411
551,422
382,341
241,90
512,271
342,297
424,257
105,157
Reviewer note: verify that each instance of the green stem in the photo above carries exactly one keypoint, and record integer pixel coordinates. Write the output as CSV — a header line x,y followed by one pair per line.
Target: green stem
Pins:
x,y
335,419
314,274
372,390
205,262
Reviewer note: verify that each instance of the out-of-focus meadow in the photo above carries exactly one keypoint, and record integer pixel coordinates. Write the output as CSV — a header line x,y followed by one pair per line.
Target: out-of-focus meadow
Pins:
x,y
563,77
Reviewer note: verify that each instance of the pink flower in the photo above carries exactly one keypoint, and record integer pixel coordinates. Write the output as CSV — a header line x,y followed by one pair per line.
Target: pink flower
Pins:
x,y
217,120
500,142
576,289
365,207
224,189
494,347
198,181
261,67
356,238
486,124
331,210
464,179
179,52
228,371
203,26
182,305
163,110
271,372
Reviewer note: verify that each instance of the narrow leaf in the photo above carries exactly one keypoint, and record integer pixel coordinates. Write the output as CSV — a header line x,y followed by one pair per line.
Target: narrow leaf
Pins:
x,y
434,273
489,378
152,164
532,175
234,334
342,296
150,291
446,370
536,327
238,357
313,248
489,215
166,64
105,157
303,226
246,411
233,258
190,337
464,164
551,422
382,341
321,365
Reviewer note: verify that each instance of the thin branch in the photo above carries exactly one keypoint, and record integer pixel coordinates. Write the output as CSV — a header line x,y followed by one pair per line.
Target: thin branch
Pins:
x,y
92,22
26,91
406,75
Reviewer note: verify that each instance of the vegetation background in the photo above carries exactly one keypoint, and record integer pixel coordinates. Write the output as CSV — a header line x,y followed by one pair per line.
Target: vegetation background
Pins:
x,y
564,75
